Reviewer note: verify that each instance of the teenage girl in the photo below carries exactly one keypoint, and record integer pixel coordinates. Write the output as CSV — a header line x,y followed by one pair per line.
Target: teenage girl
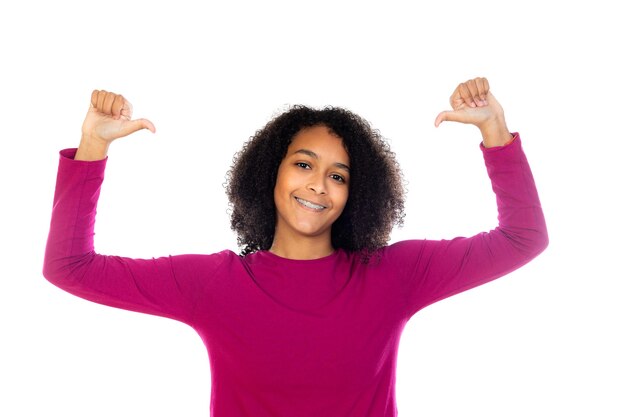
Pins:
x,y
306,320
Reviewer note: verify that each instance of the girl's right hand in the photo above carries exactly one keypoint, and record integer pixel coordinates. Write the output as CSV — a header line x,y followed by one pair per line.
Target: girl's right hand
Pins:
x,y
109,118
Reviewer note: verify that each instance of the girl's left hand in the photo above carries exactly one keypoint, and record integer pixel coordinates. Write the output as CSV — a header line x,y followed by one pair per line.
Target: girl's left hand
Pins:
x,y
473,103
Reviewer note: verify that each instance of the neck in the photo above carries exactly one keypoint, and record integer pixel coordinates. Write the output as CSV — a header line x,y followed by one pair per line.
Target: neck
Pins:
x,y
303,249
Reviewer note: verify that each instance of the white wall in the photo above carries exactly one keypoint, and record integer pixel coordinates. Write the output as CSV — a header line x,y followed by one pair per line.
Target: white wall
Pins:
x,y
544,341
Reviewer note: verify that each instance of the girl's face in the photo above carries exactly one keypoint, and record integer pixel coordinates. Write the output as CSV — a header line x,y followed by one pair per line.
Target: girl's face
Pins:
x,y
312,185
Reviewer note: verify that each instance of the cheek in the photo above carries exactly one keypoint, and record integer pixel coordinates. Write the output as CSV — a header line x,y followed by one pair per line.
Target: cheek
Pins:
x,y
279,185
279,195
343,198
282,187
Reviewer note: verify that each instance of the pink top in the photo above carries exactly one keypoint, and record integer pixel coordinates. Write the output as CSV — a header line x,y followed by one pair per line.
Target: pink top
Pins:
x,y
288,337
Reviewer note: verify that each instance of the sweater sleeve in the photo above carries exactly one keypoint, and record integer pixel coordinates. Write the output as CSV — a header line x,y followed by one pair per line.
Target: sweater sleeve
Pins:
x,y
435,270
166,286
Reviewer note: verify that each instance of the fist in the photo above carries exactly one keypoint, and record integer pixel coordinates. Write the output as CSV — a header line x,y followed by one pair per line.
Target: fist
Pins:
x,y
472,103
110,117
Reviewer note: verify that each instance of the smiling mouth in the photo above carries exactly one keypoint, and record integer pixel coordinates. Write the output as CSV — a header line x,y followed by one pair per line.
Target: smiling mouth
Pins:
x,y
310,205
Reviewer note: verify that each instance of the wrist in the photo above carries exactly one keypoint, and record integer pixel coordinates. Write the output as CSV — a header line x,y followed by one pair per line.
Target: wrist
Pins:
x,y
91,149
495,132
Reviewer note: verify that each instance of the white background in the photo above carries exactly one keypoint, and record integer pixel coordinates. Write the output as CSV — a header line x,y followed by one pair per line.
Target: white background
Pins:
x,y
547,340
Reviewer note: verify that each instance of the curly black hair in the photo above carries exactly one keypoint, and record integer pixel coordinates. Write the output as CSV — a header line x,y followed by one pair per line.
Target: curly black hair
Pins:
x,y
376,189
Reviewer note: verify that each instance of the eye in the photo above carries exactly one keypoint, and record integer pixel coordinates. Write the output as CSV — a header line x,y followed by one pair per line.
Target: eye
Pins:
x,y
303,165
338,178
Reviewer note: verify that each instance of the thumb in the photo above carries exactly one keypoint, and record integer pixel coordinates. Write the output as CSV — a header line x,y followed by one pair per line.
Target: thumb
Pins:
x,y
463,115
446,115
133,126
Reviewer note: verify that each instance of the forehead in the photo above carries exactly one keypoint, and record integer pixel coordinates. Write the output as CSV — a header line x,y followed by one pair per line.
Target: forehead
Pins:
x,y
321,140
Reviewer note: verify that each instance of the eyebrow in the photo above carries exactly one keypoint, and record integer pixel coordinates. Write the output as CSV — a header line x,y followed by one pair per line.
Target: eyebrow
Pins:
x,y
314,156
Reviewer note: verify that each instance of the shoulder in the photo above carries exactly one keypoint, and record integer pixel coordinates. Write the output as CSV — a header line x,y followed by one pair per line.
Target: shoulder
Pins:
x,y
393,256
403,248
205,262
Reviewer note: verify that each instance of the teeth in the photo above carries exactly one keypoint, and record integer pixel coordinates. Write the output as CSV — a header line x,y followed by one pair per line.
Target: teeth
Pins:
x,y
309,204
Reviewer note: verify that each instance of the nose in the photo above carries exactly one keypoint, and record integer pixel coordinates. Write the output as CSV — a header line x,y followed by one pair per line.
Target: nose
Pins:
x,y
317,184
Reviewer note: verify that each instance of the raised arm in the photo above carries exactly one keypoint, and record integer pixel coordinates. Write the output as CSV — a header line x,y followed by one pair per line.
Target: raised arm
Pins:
x,y
163,286
437,269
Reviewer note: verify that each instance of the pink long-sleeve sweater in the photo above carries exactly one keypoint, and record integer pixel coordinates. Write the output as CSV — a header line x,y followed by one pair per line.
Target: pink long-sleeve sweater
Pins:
x,y
295,338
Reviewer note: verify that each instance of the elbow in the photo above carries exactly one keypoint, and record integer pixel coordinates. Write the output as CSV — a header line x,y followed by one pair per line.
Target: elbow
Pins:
x,y
63,272
54,265
50,267
534,236
542,242
55,271
539,242
527,243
